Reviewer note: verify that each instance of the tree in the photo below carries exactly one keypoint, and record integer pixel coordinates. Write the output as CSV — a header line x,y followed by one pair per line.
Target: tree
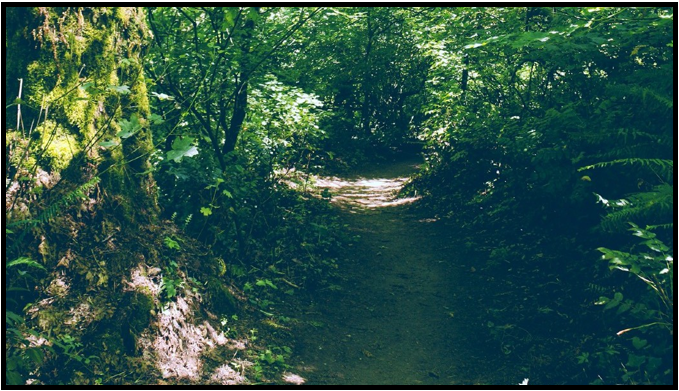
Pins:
x,y
78,175
86,112
229,47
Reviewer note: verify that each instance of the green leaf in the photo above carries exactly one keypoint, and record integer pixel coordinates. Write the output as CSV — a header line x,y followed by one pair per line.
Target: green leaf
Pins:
x,y
635,361
129,128
35,354
227,193
642,233
86,86
182,147
155,119
11,318
25,261
124,90
656,245
14,378
530,38
266,282
12,363
617,298
108,144
171,243
638,343
206,211
474,45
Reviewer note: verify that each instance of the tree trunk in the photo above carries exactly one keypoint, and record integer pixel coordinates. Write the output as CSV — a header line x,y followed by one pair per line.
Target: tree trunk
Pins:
x,y
367,76
241,93
82,76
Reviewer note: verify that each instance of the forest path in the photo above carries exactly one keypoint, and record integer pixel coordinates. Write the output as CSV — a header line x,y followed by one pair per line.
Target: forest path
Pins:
x,y
404,314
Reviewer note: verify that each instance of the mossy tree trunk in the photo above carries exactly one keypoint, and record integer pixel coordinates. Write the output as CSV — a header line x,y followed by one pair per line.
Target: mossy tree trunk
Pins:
x,y
82,78
85,119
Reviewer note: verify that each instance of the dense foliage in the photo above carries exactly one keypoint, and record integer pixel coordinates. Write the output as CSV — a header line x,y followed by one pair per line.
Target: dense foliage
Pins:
x,y
187,135
542,120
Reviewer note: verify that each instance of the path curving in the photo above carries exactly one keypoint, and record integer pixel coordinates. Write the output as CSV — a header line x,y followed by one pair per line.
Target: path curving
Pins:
x,y
404,314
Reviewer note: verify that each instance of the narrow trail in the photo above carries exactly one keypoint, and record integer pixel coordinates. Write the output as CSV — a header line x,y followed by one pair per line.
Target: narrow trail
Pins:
x,y
404,314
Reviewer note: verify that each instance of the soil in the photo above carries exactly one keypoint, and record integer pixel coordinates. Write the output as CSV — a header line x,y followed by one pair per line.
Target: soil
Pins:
x,y
409,308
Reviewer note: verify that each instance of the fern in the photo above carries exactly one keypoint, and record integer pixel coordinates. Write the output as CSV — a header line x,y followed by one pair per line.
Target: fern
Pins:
x,y
650,96
597,289
661,167
25,261
621,135
654,205
659,226
187,221
69,199
639,149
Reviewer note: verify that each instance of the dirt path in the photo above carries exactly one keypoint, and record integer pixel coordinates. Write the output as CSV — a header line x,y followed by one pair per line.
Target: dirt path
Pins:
x,y
404,314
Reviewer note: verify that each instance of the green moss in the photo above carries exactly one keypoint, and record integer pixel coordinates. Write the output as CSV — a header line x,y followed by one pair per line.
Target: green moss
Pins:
x,y
74,46
59,146
111,342
123,15
220,300
138,308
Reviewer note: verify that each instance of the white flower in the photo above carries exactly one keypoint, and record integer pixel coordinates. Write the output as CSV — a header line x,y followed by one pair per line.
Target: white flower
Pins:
x,y
524,382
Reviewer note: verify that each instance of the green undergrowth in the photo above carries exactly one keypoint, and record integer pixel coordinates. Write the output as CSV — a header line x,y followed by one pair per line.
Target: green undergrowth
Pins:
x,y
563,321
88,314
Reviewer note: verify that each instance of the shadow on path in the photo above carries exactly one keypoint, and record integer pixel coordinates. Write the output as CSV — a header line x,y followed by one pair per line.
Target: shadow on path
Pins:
x,y
402,315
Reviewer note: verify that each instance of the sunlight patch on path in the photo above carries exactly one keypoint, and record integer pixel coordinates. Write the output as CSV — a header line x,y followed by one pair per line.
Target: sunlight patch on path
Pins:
x,y
364,193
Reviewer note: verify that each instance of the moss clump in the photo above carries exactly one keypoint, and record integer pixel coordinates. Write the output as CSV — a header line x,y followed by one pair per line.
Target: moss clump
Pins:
x,y
59,146
220,299
137,306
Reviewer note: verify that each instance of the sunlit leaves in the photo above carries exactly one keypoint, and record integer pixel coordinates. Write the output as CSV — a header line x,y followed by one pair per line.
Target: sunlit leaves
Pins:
x,y
123,90
171,243
182,147
162,96
25,261
266,283
108,144
475,45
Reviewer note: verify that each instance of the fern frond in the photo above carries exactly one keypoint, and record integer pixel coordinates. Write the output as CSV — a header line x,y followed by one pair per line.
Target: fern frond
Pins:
x,y
662,167
650,96
655,205
660,226
67,200
187,221
639,149
598,289
621,136
25,261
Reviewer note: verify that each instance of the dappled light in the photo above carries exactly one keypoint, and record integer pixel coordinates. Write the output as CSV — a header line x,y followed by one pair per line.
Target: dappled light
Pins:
x,y
365,193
